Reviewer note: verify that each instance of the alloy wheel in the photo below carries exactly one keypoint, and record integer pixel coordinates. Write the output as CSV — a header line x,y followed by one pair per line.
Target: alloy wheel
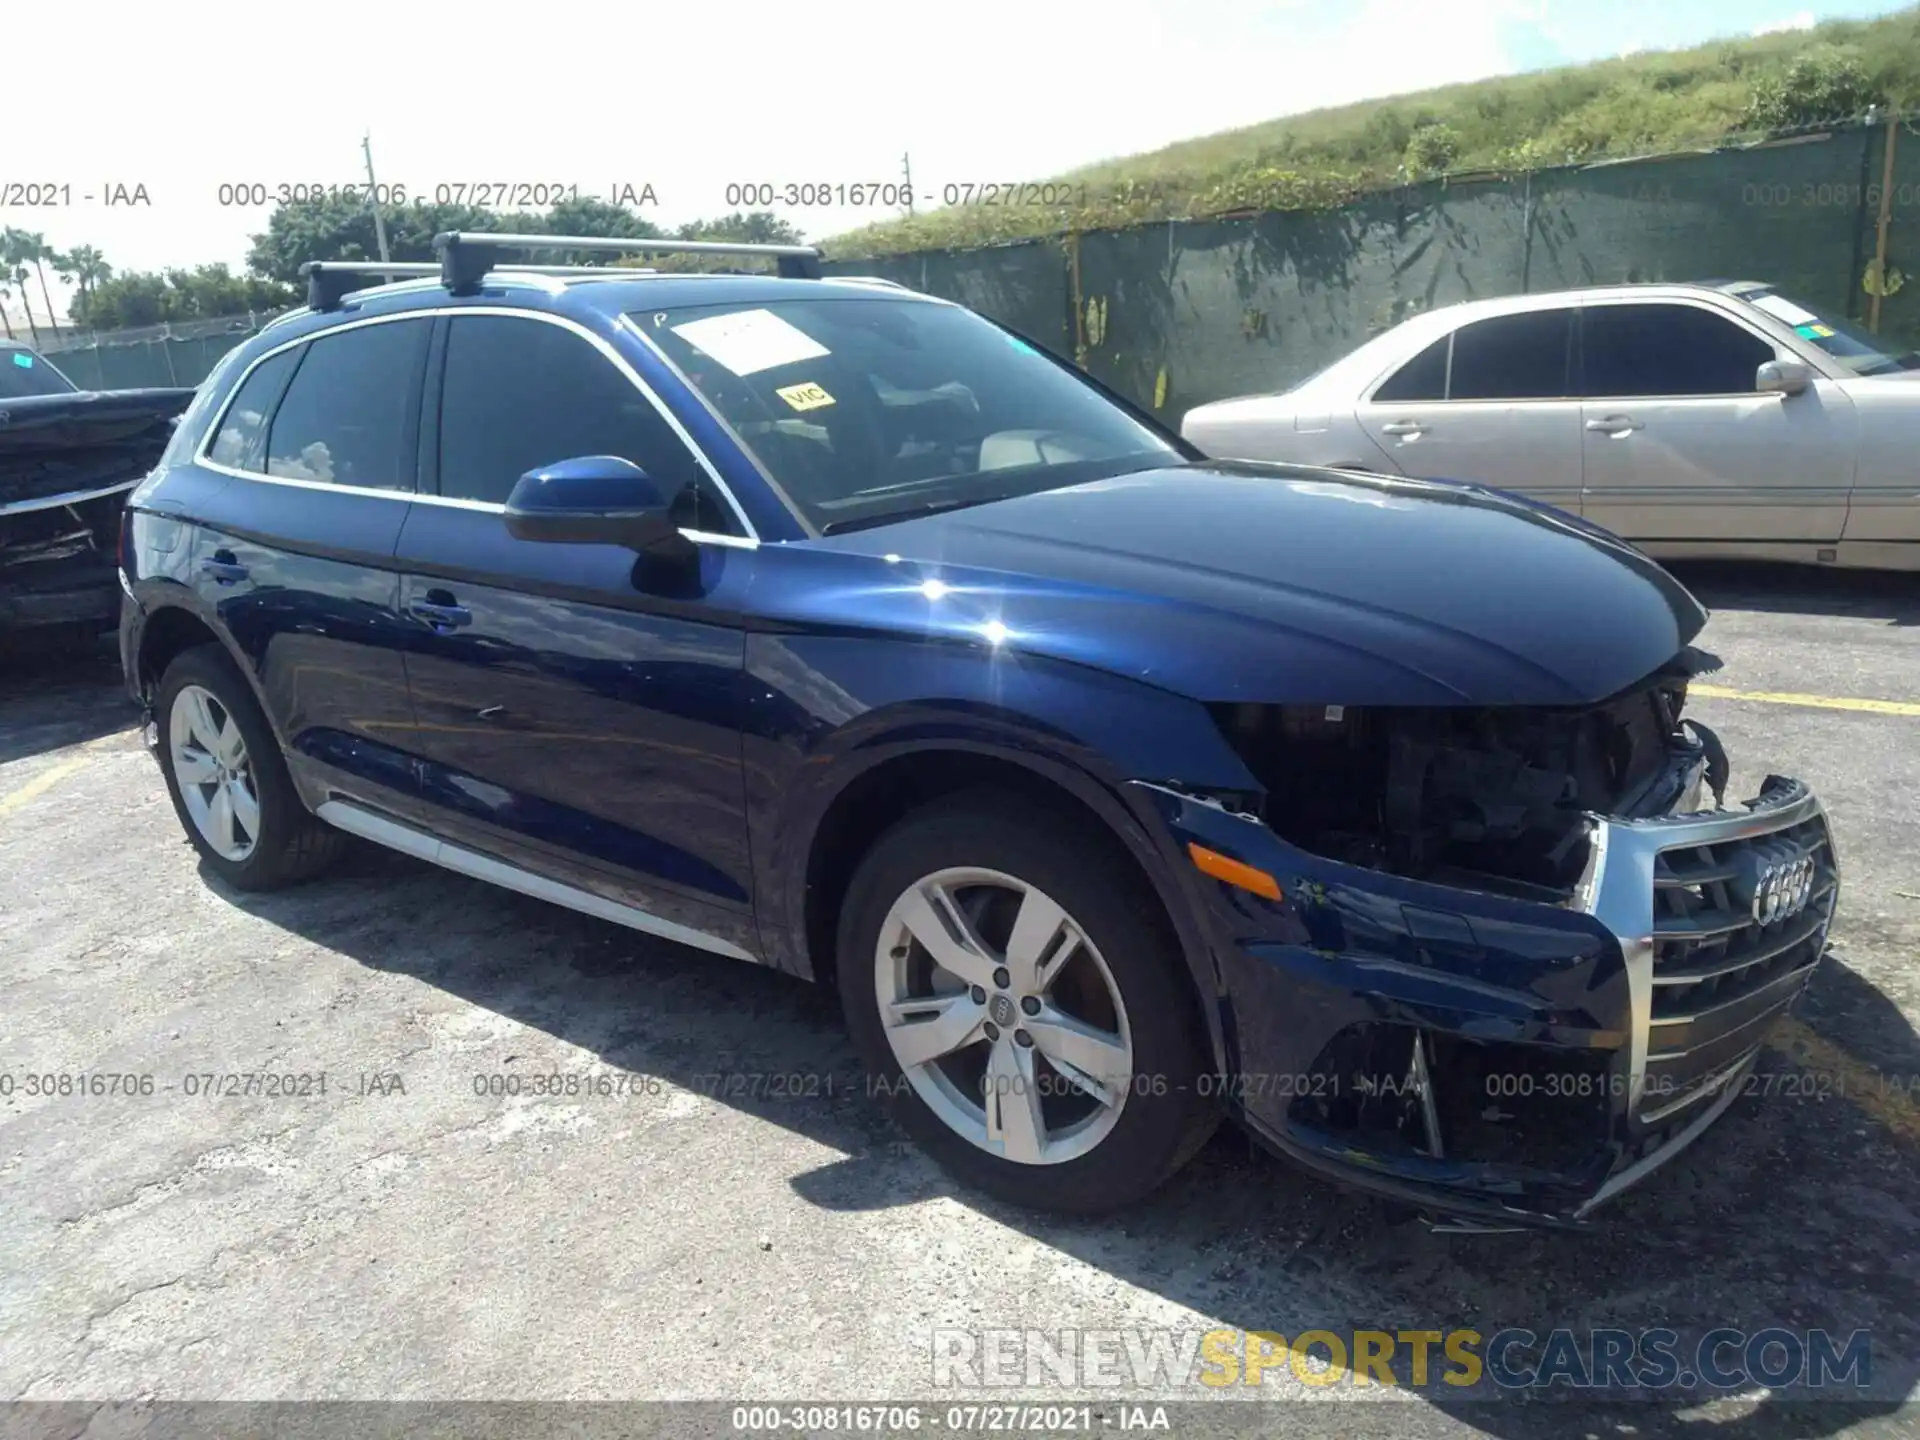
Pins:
x,y
214,772
1003,1016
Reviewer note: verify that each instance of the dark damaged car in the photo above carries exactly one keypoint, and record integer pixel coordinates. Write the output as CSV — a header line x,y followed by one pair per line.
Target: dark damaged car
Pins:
x,y
67,459
832,627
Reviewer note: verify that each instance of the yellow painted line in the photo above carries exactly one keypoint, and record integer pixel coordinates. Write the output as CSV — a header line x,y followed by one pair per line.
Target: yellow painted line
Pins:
x,y
1818,702
42,783
1890,1099
54,774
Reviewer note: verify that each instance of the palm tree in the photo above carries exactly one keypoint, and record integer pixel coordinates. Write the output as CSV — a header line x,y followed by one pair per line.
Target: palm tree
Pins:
x,y
6,294
86,267
14,249
37,250
20,275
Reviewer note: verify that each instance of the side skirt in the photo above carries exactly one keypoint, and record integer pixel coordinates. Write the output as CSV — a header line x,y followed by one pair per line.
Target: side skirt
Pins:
x,y
378,828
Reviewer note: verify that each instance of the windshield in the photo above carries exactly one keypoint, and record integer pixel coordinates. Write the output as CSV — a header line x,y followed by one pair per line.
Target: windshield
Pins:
x,y
1859,350
870,410
23,373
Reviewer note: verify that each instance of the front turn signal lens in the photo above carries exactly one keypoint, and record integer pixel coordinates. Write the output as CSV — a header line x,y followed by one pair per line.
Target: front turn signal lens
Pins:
x,y
1234,872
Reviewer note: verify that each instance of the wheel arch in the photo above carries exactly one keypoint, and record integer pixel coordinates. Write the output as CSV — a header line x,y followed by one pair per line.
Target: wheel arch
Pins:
x,y
171,625
893,785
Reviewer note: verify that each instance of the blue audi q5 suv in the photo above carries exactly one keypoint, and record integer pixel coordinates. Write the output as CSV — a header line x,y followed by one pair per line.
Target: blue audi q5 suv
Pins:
x,y
829,626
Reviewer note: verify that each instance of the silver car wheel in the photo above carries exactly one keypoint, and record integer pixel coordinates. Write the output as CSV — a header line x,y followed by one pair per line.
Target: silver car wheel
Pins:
x,y
1003,1016
214,773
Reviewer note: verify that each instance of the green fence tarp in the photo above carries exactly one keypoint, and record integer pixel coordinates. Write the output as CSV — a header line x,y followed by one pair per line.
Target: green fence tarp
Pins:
x,y
1180,313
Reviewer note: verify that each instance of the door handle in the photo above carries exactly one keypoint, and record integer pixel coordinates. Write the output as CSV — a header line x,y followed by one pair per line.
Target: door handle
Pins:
x,y
224,569
440,610
1403,427
1615,425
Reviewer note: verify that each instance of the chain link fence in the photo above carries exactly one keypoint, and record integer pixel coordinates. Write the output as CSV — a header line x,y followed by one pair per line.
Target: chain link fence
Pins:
x,y
179,353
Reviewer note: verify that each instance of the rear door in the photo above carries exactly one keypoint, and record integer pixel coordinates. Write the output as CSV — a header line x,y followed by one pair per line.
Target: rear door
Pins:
x,y
580,712
1491,402
297,551
1682,451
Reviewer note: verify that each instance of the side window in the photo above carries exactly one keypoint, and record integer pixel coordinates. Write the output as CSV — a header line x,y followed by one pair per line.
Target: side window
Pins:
x,y
345,418
1666,350
1512,357
519,394
242,441
1422,378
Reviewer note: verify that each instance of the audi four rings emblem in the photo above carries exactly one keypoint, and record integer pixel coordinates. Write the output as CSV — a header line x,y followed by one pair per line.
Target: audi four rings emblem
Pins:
x,y
1780,879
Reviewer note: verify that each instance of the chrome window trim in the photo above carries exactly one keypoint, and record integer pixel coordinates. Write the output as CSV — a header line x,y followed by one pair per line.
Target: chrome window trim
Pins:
x,y
599,343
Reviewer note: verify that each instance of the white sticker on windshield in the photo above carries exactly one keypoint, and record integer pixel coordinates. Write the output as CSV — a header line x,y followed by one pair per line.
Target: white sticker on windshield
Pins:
x,y
750,341
1784,308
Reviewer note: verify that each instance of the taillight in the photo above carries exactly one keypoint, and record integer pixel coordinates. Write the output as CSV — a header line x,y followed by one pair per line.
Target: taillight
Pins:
x,y
120,543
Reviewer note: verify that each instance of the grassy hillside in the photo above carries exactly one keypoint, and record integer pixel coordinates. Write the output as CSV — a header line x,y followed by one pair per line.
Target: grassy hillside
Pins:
x,y
1641,104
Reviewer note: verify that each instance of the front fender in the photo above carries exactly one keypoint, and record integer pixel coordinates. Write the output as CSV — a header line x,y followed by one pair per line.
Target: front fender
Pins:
x,y
825,710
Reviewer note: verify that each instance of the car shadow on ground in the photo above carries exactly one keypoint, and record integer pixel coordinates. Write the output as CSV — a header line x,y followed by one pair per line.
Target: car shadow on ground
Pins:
x,y
56,695
1802,589
1797,1210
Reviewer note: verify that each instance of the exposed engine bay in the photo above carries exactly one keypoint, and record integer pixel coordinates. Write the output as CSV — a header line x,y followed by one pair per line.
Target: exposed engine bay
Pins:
x,y
1484,798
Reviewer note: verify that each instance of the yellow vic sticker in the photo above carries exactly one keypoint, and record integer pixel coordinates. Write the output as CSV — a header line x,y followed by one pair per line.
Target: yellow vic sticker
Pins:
x,y
804,397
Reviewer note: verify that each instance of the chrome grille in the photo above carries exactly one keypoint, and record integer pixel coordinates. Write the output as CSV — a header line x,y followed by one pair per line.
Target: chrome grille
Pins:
x,y
1738,926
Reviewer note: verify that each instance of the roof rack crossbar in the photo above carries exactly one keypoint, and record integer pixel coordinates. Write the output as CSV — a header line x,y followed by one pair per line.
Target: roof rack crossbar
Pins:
x,y
464,257
329,281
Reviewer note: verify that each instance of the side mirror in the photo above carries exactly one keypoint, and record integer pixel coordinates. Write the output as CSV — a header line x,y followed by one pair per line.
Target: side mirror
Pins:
x,y
590,500
1783,377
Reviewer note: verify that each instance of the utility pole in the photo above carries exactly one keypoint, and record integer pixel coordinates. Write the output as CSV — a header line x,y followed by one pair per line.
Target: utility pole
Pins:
x,y
906,174
373,198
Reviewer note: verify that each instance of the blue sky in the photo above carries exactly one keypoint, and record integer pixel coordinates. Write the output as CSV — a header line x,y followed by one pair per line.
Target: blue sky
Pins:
x,y
688,98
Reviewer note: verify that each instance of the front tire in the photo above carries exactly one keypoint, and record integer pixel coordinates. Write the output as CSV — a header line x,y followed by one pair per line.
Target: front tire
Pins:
x,y
228,781
1023,1006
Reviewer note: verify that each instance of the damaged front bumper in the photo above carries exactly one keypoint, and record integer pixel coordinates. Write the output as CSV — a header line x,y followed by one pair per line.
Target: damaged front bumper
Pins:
x,y
1498,1062
57,561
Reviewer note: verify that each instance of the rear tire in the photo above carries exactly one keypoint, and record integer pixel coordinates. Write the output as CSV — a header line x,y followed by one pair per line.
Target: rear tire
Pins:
x,y
228,780
1052,1053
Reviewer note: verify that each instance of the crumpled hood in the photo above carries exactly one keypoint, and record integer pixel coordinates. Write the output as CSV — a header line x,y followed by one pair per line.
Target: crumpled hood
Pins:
x,y
54,445
1273,583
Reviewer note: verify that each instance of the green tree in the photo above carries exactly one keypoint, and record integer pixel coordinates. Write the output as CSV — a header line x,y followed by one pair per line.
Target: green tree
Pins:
x,y
206,292
761,227
1823,83
38,252
19,275
1431,150
85,267
6,294
341,228
16,248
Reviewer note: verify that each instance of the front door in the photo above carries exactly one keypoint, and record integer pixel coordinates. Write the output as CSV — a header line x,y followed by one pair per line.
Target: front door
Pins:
x,y
1489,403
297,549
580,710
1681,449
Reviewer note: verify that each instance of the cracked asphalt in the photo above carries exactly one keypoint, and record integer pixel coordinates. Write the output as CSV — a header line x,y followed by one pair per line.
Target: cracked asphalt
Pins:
x,y
741,1223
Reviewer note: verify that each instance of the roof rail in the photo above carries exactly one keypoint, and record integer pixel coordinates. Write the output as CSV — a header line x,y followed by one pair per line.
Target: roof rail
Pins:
x,y
466,256
329,281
